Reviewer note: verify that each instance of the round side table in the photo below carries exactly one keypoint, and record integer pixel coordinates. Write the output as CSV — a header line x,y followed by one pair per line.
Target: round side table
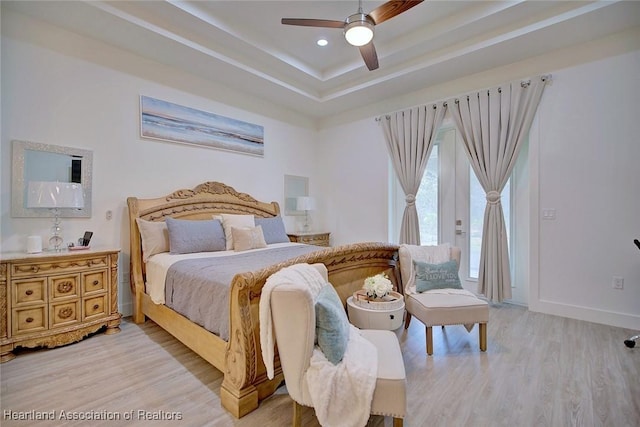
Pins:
x,y
364,318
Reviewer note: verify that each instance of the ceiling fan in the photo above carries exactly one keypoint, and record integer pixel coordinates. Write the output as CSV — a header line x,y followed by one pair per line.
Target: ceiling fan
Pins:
x,y
358,28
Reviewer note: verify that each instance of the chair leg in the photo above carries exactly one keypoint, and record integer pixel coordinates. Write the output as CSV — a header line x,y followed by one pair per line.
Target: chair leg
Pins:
x,y
407,319
398,422
429,335
483,336
297,414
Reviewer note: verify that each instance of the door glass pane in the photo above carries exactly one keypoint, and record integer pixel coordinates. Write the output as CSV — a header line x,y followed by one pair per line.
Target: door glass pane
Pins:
x,y
427,201
477,203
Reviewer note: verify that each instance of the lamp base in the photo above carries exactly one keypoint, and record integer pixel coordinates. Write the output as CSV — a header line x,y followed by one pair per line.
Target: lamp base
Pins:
x,y
55,243
307,223
56,240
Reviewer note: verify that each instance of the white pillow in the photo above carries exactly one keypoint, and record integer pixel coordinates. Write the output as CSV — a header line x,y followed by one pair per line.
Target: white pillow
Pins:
x,y
248,238
155,237
238,221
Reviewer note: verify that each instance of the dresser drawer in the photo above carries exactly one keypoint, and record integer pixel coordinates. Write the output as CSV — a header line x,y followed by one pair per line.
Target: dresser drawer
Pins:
x,y
64,287
95,307
29,269
31,319
31,291
65,313
94,282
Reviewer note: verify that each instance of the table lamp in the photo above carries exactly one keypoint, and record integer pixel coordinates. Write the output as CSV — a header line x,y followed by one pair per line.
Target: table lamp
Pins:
x,y
305,203
55,196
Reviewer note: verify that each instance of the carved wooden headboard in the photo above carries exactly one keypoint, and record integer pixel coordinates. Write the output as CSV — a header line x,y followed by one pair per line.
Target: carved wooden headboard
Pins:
x,y
200,203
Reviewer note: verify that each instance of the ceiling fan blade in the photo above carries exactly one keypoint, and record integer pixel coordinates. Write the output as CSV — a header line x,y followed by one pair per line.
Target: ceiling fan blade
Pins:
x,y
368,52
327,23
390,9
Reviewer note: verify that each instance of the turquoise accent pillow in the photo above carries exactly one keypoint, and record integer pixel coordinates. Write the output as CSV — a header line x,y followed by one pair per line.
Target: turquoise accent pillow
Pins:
x,y
436,276
332,325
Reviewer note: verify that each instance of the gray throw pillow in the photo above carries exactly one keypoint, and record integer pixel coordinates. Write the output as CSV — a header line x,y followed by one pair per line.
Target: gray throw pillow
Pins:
x,y
436,276
188,236
273,230
332,325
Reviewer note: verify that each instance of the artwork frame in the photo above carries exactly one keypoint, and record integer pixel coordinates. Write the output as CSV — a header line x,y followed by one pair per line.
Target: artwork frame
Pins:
x,y
166,121
294,187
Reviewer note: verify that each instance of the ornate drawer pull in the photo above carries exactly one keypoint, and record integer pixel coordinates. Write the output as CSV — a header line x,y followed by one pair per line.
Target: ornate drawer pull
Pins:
x,y
96,283
96,306
65,313
29,319
29,292
64,287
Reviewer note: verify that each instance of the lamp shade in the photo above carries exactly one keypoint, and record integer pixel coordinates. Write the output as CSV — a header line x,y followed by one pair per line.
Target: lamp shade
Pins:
x,y
49,194
305,203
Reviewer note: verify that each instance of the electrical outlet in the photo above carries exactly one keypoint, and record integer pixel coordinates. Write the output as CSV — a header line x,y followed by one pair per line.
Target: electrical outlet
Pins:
x,y
549,214
618,282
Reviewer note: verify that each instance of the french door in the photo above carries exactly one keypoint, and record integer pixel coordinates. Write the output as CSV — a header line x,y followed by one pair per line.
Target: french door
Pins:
x,y
451,203
459,222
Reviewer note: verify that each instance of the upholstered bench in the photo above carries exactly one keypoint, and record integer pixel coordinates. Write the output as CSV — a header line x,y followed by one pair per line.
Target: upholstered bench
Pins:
x,y
293,310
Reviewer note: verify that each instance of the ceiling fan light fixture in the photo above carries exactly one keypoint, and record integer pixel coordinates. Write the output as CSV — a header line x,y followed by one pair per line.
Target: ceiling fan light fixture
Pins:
x,y
358,29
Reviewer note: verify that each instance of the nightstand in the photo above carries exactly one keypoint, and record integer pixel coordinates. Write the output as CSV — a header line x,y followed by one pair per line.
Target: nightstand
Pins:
x,y
310,238
56,298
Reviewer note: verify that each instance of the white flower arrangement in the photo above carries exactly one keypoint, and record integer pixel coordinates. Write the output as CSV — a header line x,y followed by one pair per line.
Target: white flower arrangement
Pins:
x,y
377,286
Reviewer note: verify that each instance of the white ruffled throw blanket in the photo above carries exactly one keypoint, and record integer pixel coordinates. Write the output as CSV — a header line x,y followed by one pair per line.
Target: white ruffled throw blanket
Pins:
x,y
342,393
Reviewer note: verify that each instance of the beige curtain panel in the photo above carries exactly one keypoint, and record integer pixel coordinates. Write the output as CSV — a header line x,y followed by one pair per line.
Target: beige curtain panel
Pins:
x,y
493,124
409,135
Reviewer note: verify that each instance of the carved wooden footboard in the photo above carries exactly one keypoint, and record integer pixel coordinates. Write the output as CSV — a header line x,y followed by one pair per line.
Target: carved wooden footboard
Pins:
x,y
245,382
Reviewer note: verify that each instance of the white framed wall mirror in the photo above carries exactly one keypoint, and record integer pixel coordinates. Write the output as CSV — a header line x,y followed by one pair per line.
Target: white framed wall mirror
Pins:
x,y
36,162
294,187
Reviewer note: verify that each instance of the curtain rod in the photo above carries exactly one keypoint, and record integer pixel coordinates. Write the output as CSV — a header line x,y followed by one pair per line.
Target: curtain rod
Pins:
x,y
524,83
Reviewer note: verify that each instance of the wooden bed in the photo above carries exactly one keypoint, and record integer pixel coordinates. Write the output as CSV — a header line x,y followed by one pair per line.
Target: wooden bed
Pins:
x,y
245,383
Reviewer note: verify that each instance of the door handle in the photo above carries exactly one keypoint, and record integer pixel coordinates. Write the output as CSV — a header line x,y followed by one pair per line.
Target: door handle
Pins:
x,y
459,230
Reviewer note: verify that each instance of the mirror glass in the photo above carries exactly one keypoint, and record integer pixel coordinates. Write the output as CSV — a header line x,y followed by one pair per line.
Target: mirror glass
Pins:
x,y
32,161
294,186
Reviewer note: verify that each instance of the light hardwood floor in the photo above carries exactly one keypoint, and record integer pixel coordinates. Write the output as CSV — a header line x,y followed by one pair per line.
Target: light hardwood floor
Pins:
x,y
539,370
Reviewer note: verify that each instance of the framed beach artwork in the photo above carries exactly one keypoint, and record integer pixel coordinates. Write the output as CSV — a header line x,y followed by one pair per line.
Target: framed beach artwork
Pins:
x,y
166,121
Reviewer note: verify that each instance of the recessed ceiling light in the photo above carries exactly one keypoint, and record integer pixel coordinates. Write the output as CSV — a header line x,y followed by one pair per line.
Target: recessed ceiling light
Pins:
x,y
322,42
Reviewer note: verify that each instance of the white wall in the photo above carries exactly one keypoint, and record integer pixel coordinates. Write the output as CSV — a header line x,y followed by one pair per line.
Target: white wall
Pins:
x,y
355,182
584,155
588,171
70,100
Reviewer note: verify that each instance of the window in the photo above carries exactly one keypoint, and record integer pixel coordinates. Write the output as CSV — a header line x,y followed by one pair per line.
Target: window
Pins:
x,y
450,192
427,200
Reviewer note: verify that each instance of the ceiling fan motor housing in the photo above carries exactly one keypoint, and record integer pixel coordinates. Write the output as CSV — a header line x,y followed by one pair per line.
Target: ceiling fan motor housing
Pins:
x,y
358,29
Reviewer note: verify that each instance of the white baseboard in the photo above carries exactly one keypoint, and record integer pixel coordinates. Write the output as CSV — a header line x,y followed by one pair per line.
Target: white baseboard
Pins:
x,y
621,320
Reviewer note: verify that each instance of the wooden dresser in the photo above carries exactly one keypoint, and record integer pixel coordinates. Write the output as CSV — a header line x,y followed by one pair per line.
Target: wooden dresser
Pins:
x,y
56,298
310,238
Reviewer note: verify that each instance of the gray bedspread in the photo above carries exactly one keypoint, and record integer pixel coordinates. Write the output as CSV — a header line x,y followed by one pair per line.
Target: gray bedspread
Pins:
x,y
199,288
